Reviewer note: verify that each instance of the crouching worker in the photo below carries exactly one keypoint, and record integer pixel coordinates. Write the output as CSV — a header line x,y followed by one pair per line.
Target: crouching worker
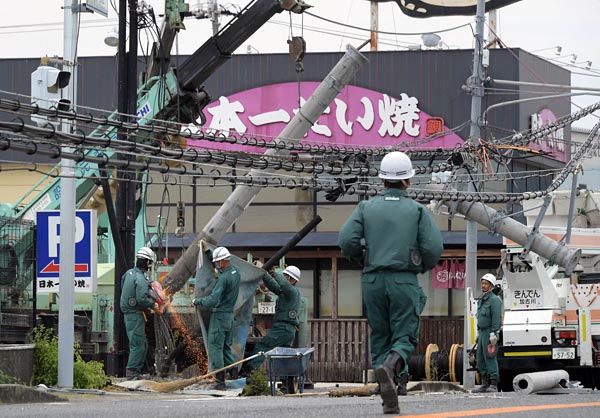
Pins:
x,y
135,299
286,316
220,302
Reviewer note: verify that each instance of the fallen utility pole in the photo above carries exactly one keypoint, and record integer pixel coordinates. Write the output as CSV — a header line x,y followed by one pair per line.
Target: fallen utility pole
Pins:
x,y
243,196
498,223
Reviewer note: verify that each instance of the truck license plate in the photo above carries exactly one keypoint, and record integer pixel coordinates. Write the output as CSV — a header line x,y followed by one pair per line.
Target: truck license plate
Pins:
x,y
266,307
567,353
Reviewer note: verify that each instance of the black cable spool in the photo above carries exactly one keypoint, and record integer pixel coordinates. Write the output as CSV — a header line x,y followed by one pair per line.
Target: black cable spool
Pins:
x,y
440,365
416,367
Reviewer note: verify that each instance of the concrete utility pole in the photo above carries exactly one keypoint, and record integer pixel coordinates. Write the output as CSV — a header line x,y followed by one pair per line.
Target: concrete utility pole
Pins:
x,y
501,224
493,28
476,86
242,196
374,25
214,15
66,319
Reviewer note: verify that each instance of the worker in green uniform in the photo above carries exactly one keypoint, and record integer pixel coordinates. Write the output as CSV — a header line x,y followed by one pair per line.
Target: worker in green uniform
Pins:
x,y
135,300
221,302
286,316
489,311
394,238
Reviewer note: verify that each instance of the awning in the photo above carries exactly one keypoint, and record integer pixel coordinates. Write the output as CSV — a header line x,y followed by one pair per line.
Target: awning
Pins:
x,y
313,239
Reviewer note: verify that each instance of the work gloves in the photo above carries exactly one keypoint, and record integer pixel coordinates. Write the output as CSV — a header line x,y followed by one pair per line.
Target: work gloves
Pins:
x,y
493,338
203,245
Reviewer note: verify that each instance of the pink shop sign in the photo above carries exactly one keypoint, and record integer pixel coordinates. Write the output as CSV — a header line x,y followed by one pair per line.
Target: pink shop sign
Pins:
x,y
551,142
357,117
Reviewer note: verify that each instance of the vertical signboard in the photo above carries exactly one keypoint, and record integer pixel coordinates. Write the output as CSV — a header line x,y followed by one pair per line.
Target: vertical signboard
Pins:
x,y
48,251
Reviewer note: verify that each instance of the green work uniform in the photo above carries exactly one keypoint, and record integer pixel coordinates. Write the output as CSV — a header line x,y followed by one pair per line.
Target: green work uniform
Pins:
x,y
489,310
286,317
134,299
221,302
401,239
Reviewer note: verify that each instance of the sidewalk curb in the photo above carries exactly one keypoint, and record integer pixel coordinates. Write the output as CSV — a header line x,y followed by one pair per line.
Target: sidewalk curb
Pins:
x,y
13,394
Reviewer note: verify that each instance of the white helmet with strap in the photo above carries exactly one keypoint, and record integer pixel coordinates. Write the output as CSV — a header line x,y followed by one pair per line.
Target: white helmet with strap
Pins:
x,y
490,278
396,166
293,272
221,253
145,253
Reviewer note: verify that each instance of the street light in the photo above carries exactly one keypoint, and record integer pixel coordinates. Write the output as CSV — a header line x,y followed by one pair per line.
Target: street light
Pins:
x,y
573,58
588,64
557,50
250,48
112,38
431,40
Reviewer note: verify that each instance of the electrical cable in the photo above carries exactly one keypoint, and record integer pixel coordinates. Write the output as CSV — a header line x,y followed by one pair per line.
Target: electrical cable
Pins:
x,y
387,33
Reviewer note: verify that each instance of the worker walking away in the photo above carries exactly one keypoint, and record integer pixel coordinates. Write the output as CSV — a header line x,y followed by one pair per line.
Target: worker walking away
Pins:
x,y
401,240
135,300
286,322
220,302
489,311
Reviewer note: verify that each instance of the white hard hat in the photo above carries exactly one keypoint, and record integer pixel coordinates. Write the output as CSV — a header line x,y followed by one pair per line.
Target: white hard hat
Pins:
x,y
293,272
396,166
490,278
221,253
145,253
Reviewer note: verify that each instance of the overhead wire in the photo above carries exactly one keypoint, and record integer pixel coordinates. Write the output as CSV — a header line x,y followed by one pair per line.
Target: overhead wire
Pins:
x,y
57,152
524,65
16,106
386,32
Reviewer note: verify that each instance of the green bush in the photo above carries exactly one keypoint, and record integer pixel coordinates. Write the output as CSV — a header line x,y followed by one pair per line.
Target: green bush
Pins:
x,y
86,375
257,384
45,367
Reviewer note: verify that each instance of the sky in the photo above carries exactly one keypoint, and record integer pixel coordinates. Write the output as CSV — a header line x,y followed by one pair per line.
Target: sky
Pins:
x,y
33,28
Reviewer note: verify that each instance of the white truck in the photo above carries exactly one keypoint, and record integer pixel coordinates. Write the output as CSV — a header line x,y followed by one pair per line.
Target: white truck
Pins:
x,y
552,320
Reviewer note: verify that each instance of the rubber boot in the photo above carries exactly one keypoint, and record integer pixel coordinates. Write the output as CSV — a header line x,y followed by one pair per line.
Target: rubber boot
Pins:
x,y
402,382
385,376
233,373
245,371
485,384
493,387
220,381
131,374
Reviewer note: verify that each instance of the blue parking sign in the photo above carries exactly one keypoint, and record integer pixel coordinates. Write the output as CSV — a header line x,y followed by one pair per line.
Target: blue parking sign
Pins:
x,y
48,251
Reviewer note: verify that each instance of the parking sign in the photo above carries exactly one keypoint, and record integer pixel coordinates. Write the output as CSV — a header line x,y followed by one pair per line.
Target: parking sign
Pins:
x,y
48,251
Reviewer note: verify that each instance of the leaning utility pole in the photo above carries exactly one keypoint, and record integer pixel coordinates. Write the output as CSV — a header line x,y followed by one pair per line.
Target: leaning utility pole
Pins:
x,y
242,196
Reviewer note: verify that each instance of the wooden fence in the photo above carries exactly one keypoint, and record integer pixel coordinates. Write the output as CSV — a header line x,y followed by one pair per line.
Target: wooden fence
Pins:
x,y
342,345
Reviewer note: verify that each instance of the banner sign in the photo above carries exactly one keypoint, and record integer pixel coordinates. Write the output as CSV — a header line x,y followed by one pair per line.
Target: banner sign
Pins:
x,y
448,274
356,117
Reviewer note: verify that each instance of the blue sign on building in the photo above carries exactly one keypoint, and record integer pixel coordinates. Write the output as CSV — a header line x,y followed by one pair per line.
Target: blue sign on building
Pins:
x,y
48,251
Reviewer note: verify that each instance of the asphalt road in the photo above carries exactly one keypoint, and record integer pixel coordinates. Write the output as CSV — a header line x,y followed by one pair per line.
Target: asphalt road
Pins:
x,y
423,405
